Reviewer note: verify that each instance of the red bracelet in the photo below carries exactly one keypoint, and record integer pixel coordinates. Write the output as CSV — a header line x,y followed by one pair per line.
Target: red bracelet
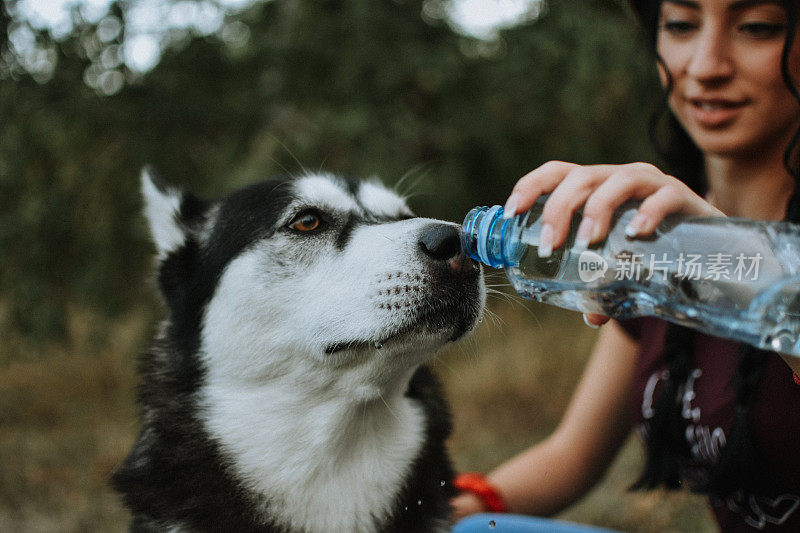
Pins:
x,y
477,484
796,378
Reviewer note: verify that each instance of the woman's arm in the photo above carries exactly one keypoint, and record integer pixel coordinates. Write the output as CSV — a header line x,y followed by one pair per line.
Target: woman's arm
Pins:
x,y
556,472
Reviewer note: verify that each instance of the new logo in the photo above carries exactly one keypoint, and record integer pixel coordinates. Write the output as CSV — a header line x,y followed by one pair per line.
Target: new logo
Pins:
x,y
591,266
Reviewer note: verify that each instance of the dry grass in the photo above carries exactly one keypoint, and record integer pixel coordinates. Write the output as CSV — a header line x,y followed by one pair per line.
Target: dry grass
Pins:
x,y
67,418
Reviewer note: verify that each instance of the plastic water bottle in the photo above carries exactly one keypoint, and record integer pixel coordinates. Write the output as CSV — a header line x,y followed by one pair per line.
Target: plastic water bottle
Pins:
x,y
728,277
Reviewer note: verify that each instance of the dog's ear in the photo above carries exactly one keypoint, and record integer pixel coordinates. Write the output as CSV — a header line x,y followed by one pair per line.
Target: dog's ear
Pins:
x,y
162,207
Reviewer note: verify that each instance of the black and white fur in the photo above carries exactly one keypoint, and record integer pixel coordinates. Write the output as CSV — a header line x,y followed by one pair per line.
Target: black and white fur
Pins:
x,y
287,390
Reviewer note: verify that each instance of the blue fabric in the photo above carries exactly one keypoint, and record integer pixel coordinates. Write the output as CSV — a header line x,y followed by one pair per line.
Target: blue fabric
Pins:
x,y
511,523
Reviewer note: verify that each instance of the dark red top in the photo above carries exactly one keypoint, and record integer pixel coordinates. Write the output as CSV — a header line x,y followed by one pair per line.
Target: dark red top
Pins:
x,y
708,408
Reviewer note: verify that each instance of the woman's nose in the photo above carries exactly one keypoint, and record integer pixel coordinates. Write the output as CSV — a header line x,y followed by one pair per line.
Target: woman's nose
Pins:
x,y
711,57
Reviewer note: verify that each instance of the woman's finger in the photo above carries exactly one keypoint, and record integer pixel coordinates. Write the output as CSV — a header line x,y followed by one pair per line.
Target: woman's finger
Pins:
x,y
466,504
671,198
568,197
627,182
533,184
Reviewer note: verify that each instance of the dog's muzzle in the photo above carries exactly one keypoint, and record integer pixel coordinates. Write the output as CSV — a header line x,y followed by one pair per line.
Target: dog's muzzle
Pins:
x,y
443,297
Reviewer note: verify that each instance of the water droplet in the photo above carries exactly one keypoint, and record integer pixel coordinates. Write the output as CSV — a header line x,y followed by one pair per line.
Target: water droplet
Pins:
x,y
480,319
442,483
419,502
782,342
406,507
492,523
377,345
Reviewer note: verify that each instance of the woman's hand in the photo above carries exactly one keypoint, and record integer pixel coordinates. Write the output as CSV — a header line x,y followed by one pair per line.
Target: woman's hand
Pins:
x,y
600,189
466,504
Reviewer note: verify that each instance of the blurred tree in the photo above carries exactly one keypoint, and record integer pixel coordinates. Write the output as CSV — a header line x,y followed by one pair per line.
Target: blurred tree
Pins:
x,y
356,87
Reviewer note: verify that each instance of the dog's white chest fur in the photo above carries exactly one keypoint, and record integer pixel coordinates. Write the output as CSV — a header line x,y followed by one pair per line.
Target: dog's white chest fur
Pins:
x,y
325,465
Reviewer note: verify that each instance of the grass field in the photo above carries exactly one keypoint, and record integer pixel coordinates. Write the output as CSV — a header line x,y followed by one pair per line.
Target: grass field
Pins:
x,y
67,418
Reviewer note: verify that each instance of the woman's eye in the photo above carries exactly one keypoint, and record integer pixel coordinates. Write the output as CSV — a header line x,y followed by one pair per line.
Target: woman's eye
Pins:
x,y
762,30
678,27
305,221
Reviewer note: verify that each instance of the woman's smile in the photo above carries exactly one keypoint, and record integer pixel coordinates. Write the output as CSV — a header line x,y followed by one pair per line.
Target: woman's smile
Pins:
x,y
715,112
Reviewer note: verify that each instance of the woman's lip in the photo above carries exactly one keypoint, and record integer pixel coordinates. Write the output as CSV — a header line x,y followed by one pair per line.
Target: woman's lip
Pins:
x,y
714,112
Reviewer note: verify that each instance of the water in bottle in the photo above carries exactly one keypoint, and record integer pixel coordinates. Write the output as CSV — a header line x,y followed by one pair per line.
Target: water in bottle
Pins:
x,y
729,277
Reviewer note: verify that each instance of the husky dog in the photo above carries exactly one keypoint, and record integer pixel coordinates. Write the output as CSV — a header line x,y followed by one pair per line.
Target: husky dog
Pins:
x,y
287,390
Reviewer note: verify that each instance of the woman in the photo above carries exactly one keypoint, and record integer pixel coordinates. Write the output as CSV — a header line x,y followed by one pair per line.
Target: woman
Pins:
x,y
719,416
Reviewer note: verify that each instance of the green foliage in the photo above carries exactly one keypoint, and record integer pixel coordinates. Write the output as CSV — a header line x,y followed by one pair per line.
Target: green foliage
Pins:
x,y
357,87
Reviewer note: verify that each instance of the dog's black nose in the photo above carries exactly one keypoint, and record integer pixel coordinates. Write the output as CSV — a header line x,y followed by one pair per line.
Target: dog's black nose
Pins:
x,y
440,241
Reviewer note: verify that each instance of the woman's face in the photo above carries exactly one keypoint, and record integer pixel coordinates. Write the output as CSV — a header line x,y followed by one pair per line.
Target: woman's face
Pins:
x,y
724,57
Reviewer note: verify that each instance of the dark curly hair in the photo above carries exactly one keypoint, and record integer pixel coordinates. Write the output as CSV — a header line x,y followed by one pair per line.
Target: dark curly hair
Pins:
x,y
666,445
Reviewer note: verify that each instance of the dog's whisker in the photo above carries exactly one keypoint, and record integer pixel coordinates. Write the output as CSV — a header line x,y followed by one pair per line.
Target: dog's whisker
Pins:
x,y
494,290
322,164
300,165
387,407
421,168
529,312
498,283
475,354
447,366
495,319
499,286
498,296
501,296
409,192
490,313
419,194
470,349
279,164
364,428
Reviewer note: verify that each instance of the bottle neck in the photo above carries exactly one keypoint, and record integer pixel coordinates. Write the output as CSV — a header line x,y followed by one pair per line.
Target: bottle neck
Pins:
x,y
483,235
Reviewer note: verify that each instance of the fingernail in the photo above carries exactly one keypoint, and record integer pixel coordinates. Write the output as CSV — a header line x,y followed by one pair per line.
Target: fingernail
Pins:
x,y
510,209
635,225
584,234
586,321
545,241
596,233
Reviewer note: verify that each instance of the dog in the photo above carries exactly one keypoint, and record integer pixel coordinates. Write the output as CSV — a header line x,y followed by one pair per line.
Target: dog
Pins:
x,y
287,391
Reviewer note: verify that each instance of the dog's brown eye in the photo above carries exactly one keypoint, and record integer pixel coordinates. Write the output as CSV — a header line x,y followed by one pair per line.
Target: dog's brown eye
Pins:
x,y
306,221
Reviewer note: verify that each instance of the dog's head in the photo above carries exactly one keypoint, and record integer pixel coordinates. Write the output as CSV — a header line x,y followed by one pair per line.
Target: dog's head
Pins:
x,y
314,272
